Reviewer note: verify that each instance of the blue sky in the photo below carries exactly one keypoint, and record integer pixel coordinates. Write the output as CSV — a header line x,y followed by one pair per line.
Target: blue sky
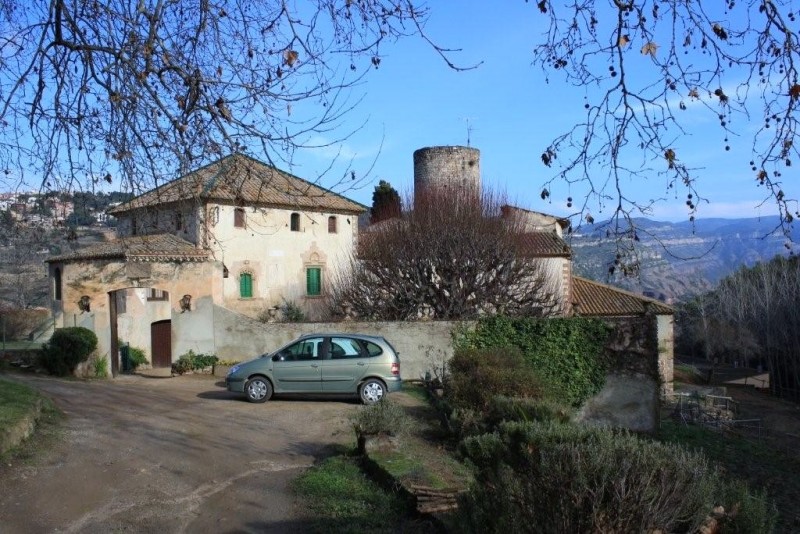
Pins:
x,y
506,109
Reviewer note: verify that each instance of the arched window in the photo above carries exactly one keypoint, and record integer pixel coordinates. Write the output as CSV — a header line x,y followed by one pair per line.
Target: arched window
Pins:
x,y
295,222
246,285
332,224
57,284
238,218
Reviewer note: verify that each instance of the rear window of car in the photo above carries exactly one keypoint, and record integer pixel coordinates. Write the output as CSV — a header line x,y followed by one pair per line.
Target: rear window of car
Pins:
x,y
373,349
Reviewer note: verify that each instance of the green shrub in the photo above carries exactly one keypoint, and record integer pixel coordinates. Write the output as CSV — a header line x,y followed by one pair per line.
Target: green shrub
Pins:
x,y
383,417
99,367
478,375
66,349
292,313
193,362
137,357
506,409
747,512
566,478
566,352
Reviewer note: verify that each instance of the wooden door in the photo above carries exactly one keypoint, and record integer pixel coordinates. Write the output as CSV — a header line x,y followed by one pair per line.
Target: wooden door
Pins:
x,y
161,343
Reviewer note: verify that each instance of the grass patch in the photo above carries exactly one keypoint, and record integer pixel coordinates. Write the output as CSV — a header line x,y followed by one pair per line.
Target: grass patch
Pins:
x,y
21,345
16,401
748,460
340,498
416,391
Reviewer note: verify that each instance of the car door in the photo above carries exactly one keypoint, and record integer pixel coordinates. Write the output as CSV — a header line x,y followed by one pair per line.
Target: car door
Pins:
x,y
344,365
297,367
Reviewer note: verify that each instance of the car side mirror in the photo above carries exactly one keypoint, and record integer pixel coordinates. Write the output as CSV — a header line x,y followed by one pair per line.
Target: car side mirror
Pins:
x,y
278,358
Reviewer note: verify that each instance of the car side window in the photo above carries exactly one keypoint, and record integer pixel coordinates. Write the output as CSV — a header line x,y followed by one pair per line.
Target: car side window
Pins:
x,y
343,347
373,349
308,349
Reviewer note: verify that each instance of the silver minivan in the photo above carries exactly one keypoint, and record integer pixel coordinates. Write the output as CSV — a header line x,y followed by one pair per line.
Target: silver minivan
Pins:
x,y
345,364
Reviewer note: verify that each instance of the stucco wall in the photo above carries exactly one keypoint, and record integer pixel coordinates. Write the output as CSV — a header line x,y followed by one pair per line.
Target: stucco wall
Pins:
x,y
421,345
98,279
275,256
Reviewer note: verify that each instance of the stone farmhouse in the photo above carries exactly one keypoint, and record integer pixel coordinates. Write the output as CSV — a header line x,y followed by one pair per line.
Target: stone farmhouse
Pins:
x,y
198,259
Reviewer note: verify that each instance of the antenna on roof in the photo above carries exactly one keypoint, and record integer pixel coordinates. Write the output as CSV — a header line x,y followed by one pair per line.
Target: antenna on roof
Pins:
x,y
469,130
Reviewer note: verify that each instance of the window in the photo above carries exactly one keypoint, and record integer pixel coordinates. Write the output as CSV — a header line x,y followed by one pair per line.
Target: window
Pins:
x,y
331,224
308,349
295,222
121,296
57,284
343,347
373,349
178,220
238,218
157,294
314,281
246,285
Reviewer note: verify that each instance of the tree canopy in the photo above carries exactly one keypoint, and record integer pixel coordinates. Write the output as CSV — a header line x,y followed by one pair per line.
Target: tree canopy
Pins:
x,y
141,91
650,67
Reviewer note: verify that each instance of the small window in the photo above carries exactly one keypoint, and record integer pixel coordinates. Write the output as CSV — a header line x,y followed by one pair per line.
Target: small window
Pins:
x,y
238,218
57,284
157,294
331,224
295,222
314,281
373,349
178,220
121,296
246,285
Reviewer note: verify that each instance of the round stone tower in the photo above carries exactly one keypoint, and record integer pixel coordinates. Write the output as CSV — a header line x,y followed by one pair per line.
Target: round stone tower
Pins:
x,y
438,167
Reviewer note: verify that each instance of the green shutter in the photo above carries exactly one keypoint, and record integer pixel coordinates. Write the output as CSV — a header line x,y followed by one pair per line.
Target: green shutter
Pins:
x,y
245,285
313,281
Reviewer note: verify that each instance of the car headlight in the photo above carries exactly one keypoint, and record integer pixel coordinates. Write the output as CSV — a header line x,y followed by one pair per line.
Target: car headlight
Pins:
x,y
233,369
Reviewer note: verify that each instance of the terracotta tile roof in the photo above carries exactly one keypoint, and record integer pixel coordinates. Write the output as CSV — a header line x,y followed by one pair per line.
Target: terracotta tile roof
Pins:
x,y
544,245
596,299
158,247
239,178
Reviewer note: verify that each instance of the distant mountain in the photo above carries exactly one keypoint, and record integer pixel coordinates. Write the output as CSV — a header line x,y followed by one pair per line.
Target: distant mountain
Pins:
x,y
684,258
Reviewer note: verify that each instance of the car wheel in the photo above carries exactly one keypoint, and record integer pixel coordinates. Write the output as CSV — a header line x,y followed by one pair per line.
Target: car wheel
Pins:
x,y
258,389
372,391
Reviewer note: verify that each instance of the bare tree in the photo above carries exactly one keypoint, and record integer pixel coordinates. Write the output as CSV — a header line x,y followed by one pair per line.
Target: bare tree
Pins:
x,y
753,313
145,90
453,255
651,64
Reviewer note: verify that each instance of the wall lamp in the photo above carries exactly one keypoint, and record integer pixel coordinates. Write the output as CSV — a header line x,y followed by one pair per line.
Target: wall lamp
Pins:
x,y
186,303
84,304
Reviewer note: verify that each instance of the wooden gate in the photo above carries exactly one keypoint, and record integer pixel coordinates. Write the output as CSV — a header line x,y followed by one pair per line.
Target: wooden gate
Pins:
x,y
161,343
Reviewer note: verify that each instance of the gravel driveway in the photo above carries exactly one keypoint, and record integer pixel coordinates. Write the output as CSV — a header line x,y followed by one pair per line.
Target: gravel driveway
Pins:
x,y
168,455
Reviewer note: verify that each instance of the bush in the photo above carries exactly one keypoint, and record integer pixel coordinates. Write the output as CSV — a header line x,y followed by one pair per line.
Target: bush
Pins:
x,y
292,313
478,375
137,357
566,352
66,349
193,362
565,478
99,367
383,417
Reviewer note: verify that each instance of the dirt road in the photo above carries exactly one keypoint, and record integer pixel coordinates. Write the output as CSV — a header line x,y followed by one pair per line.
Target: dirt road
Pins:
x,y
168,455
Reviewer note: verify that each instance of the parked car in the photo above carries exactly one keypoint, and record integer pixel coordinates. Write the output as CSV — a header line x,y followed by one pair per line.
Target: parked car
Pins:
x,y
352,364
